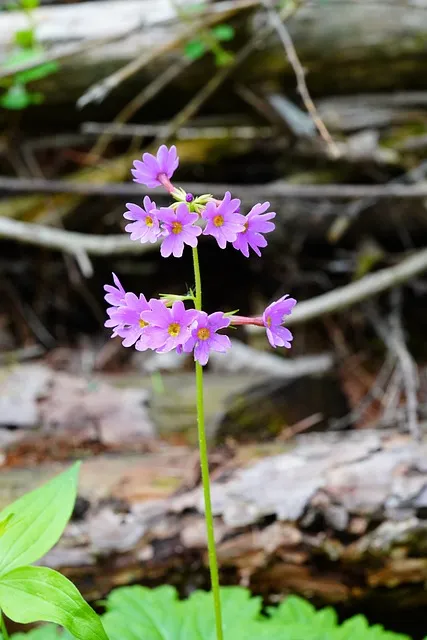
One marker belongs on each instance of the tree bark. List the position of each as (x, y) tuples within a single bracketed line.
[(338, 517)]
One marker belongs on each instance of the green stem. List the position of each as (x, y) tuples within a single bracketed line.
[(3, 629), (204, 464)]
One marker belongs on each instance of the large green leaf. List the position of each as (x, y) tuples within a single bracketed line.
[(44, 632), (138, 613), (32, 594), (200, 619), (36, 521), (294, 610)]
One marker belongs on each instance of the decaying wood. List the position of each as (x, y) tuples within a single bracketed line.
[(338, 517), (48, 413), (389, 34)]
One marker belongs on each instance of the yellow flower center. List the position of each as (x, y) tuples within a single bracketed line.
[(149, 221), (143, 324), (218, 221), (203, 334), (268, 321), (246, 225), (176, 227), (174, 329)]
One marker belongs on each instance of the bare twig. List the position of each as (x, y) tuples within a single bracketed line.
[(296, 65), (19, 355), (351, 211), (99, 91), (277, 190), (376, 392), (391, 332), (147, 93), (190, 132), (70, 242), (363, 289)]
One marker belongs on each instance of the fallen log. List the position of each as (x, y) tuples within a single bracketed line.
[(337, 517), (345, 46)]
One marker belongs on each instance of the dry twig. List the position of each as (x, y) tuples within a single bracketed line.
[(277, 190), (71, 242), (99, 91), (296, 65), (392, 334), (147, 93)]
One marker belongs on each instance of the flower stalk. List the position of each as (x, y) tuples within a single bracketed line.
[(204, 466)]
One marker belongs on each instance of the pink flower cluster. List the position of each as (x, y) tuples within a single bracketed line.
[(164, 325), (154, 324), (178, 225)]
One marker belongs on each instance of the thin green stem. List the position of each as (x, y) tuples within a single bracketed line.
[(197, 280), (204, 464), (3, 629)]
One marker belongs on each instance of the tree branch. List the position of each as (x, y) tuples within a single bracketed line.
[(291, 53), (70, 242), (363, 289), (275, 190)]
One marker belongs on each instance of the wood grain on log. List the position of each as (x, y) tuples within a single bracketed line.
[(336, 517)]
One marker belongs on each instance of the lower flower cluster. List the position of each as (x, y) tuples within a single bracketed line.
[(164, 325)]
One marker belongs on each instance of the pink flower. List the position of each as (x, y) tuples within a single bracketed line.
[(273, 318), (126, 321), (204, 338), (257, 223), (145, 226), (168, 328), (180, 229), (114, 295), (151, 167), (223, 222)]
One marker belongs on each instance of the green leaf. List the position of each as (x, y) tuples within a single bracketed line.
[(22, 56), (223, 32), (4, 523), (199, 613), (194, 49), (16, 98), (223, 58), (45, 632), (31, 594), (39, 518), (38, 72), (30, 4), (137, 612), (294, 609), (25, 38)]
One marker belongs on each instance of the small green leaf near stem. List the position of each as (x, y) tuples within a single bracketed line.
[(204, 465)]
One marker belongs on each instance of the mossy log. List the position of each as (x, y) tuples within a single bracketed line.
[(337, 517), (344, 46)]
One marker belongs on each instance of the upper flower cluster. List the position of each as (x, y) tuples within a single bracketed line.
[(179, 224)]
